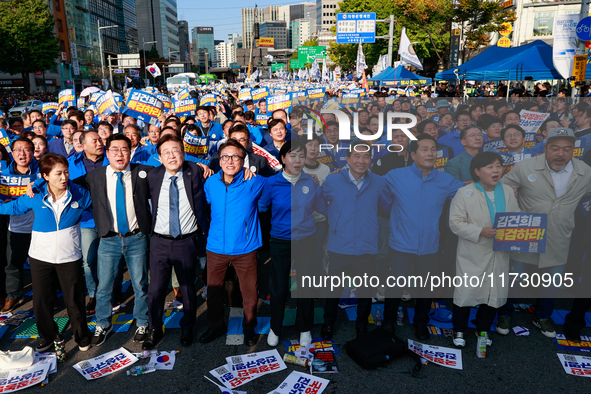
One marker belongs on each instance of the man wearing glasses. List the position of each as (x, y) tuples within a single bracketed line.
[(119, 194), (459, 166), (180, 216), (234, 236)]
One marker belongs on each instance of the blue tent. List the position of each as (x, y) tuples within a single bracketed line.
[(398, 76), (533, 60)]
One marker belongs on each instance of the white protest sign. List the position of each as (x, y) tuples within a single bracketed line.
[(106, 364), (242, 368), (298, 382), (564, 45), (531, 121), (18, 379), (444, 356), (225, 390), (47, 358), (576, 365)]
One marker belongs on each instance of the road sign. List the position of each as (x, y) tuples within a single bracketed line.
[(277, 66), (118, 71), (584, 29), (353, 28), (579, 68), (234, 65), (296, 63), (308, 54), (128, 61)]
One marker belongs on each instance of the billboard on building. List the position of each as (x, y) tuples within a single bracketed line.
[(265, 42), (204, 30)]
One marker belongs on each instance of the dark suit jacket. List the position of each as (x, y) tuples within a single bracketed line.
[(96, 182), (259, 162), (194, 182)]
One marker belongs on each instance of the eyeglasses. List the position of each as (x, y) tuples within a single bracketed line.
[(479, 135), (516, 135), (23, 151), (122, 151), (241, 140), (226, 158), (174, 152)]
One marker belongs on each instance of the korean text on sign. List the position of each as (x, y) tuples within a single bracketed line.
[(14, 186), (106, 364), (520, 232), (143, 106), (446, 357), (301, 383), (282, 101)]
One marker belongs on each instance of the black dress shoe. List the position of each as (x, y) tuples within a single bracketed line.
[(186, 337), (154, 337), (250, 338), (326, 331), (213, 333), (422, 332), (572, 335), (361, 330)]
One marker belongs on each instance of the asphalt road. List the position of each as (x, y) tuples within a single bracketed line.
[(513, 364)]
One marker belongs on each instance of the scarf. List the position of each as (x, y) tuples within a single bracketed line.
[(499, 200)]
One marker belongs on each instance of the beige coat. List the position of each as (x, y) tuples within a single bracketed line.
[(536, 194), (475, 255)]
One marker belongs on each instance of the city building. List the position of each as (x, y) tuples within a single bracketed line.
[(276, 30), (203, 46), (184, 44), (235, 39), (326, 17), (157, 20), (302, 30), (248, 18), (225, 54)]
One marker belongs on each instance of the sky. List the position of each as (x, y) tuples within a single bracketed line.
[(223, 15)]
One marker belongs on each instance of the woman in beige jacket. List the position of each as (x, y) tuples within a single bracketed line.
[(471, 219)]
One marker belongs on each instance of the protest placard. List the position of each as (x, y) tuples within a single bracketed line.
[(14, 186), (18, 379), (575, 365), (184, 108), (446, 357), (143, 106), (298, 382), (105, 364), (520, 232), (67, 97)]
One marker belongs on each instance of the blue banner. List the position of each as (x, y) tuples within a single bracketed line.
[(442, 158), (4, 138), (260, 93), (582, 147), (494, 146), (208, 100), (67, 97), (244, 95), (143, 106), (316, 94), (166, 102), (49, 107), (261, 120), (520, 232), (184, 108), (350, 99), (195, 146), (106, 104), (282, 101), (14, 186)]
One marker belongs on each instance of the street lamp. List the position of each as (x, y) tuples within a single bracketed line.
[(169, 53), (98, 22), (144, 47)]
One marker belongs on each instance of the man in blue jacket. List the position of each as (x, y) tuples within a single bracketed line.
[(453, 138), (234, 236), (65, 145), (354, 195), (418, 193)]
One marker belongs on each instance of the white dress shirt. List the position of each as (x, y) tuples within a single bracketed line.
[(186, 216), (356, 182), (112, 179), (561, 178)]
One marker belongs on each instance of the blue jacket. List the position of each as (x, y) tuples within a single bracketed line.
[(292, 206), (353, 214), (55, 239), (56, 145), (216, 132), (77, 170), (235, 228), (453, 140), (416, 208), (334, 159), (142, 154)]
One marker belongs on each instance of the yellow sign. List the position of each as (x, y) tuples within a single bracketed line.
[(579, 68), (507, 29), (266, 42), (504, 42)]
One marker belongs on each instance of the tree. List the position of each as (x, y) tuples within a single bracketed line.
[(479, 19), (28, 41)]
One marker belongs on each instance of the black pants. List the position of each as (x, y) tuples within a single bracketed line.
[(16, 257), (484, 317), (164, 255), (352, 265), (70, 277), (281, 257)]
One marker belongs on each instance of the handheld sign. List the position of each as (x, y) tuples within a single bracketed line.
[(106, 104), (520, 232), (49, 107), (67, 97), (208, 100), (184, 108), (143, 106), (166, 102)]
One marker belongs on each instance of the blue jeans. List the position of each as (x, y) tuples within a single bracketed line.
[(134, 249), (544, 306), (89, 242)]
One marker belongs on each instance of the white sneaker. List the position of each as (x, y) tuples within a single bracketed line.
[(305, 338), (406, 296), (488, 340), (272, 339), (204, 293), (459, 340)]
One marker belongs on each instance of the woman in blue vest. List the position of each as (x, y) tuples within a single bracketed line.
[(55, 255), (292, 196)]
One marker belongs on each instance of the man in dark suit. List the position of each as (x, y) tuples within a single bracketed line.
[(255, 163), (121, 212), (180, 214)]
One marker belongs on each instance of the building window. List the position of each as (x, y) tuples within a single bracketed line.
[(57, 5), (543, 23), (62, 46), (60, 28)]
